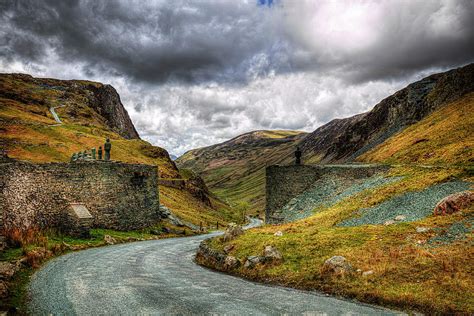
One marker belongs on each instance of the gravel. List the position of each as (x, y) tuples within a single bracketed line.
[(457, 231), (412, 205), (326, 192)]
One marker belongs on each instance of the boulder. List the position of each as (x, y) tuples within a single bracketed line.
[(400, 217), (454, 202), (336, 265), (109, 240), (367, 273), (173, 220), (231, 262), (252, 261), (420, 229), (233, 230), (389, 222), (164, 211), (278, 233), (271, 253)]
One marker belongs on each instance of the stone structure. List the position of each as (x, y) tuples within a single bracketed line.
[(285, 182), (117, 195), (77, 220)]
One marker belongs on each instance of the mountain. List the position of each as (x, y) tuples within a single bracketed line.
[(234, 170), (433, 116), (343, 140), (88, 113), (404, 236)]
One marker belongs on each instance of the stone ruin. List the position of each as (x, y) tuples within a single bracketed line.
[(73, 197)]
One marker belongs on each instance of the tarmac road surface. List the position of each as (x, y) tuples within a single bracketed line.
[(160, 277)]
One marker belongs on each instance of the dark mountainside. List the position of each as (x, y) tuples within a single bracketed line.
[(343, 140), (106, 101)]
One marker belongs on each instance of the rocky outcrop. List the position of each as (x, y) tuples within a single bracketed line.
[(84, 101), (345, 139), (197, 187), (454, 202), (106, 101)]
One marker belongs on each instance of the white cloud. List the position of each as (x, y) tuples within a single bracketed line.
[(195, 73)]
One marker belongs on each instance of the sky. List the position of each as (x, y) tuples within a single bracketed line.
[(196, 73)]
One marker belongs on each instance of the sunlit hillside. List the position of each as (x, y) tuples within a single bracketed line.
[(29, 132)]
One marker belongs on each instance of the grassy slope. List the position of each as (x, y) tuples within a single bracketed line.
[(408, 272), (444, 137), (28, 133), (235, 170)]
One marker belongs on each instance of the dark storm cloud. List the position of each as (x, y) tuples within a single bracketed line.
[(147, 41), (192, 73), (232, 41)]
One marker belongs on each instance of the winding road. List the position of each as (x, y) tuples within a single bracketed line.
[(160, 277)]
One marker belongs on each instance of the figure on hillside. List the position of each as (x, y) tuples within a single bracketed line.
[(107, 148), (298, 156), (99, 153)]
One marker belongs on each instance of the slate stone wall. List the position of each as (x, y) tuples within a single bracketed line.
[(118, 195), (285, 182)]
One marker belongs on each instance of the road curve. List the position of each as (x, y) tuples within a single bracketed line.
[(160, 277)]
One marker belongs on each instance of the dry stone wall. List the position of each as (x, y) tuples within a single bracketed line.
[(118, 195), (286, 182)]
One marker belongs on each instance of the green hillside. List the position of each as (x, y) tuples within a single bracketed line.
[(235, 170), (29, 132)]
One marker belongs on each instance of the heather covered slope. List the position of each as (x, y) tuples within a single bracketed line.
[(444, 137), (235, 169), (90, 112), (344, 140)]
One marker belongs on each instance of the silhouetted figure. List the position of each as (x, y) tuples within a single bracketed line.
[(107, 148), (298, 156), (99, 153)]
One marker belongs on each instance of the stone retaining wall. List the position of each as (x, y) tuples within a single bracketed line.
[(118, 195), (285, 182)]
